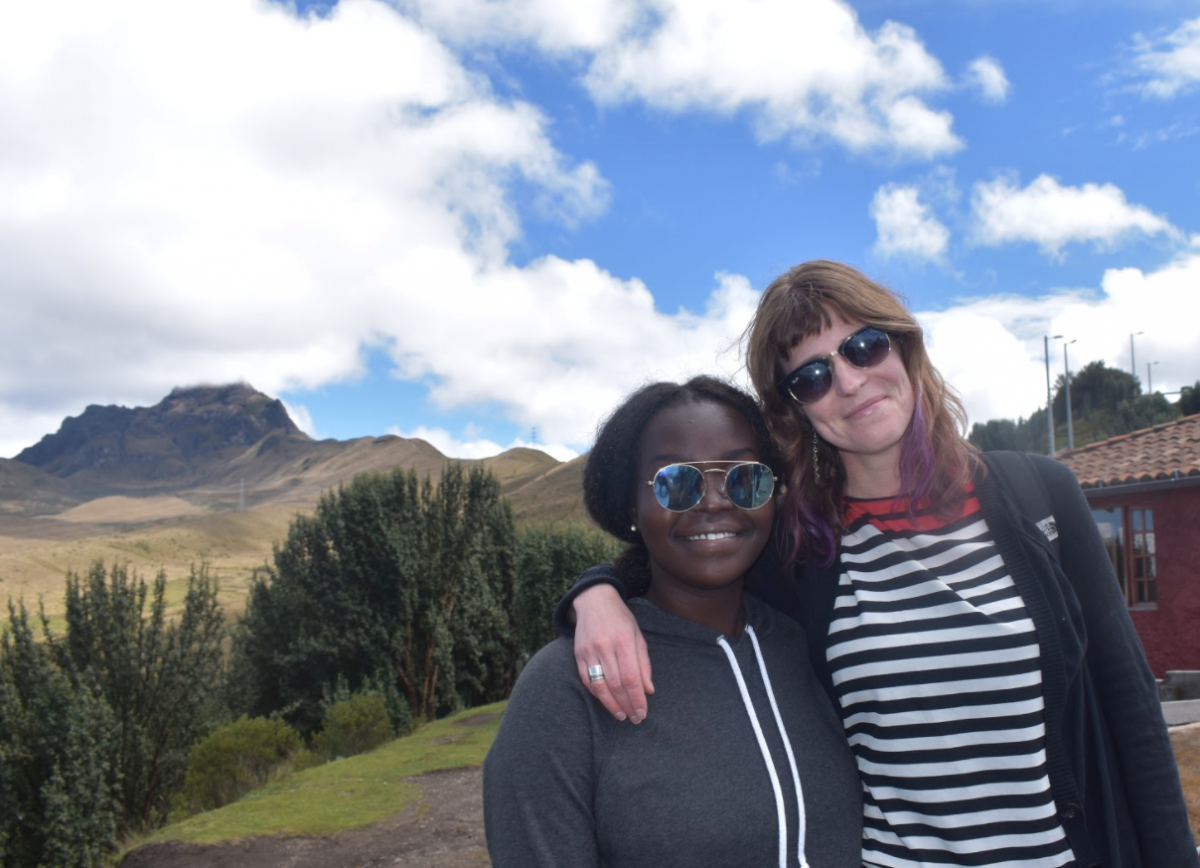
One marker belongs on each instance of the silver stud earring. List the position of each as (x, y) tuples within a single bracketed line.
[(633, 527)]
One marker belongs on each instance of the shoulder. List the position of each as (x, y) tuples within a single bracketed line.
[(1054, 472), (549, 686), (551, 668), (1010, 471)]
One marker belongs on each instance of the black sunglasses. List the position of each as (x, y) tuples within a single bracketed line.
[(680, 487), (809, 383)]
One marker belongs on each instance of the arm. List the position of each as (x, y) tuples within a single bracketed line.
[(538, 778), (606, 633), (1124, 684)]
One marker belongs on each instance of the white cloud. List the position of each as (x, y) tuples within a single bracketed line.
[(986, 75), (551, 25), (582, 336), (808, 71), (299, 414), (474, 446), (1170, 65), (225, 192), (1052, 215), (905, 226), (991, 349)]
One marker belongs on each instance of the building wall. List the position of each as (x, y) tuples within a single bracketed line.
[(1170, 631)]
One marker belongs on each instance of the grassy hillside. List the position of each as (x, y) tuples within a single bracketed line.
[(153, 531), (35, 554), (348, 793)]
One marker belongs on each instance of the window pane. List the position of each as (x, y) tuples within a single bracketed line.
[(1136, 516), (1151, 567), (1138, 567), (1152, 588), (1111, 524), (1150, 543), (1139, 543), (1149, 519)]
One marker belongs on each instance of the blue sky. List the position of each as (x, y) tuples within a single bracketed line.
[(482, 222)]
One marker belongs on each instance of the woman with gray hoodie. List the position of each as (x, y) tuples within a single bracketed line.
[(744, 762)]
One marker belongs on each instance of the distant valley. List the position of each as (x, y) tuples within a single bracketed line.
[(213, 473)]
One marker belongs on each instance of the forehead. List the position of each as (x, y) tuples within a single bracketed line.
[(823, 342), (696, 431)]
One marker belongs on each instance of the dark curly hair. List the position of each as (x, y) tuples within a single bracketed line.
[(611, 476)]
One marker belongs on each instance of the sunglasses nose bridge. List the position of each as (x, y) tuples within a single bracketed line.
[(717, 492), (847, 377)]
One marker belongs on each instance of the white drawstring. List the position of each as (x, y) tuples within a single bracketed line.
[(787, 746), (780, 810)]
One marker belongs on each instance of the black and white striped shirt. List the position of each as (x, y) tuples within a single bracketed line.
[(937, 668)]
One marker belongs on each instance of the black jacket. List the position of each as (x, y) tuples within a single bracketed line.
[(1109, 757)]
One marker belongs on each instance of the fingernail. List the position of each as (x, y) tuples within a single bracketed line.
[(620, 715)]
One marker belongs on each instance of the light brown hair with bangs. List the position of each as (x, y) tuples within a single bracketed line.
[(936, 462)]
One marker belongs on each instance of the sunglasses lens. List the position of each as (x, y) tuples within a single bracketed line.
[(749, 486), (866, 348), (678, 487), (810, 382)]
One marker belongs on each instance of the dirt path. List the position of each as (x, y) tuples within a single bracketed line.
[(444, 829)]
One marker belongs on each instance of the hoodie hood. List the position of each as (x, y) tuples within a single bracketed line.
[(652, 619)]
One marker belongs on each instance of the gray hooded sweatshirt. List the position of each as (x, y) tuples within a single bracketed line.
[(708, 779)]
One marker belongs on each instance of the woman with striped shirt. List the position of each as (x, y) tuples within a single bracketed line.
[(991, 685)]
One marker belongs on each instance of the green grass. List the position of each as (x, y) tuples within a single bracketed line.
[(348, 793)]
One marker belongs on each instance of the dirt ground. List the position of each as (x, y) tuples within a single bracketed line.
[(444, 829)]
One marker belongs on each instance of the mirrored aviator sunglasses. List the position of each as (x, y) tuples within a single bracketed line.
[(810, 382), (680, 487)]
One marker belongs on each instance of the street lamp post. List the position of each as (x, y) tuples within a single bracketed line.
[(1067, 371), (1132, 357), (1149, 382), (1049, 396)]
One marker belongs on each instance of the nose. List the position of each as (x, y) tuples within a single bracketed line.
[(847, 379), (715, 498)]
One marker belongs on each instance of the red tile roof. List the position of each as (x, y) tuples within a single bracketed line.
[(1167, 451)]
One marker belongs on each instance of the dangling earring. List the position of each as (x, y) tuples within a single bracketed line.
[(816, 462)]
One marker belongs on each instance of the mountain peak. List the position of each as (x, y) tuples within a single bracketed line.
[(190, 427)]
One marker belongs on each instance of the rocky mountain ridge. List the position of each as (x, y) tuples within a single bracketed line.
[(189, 426), (226, 446)]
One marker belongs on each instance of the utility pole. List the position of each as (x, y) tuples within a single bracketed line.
[(1132, 358), (1049, 395), (1067, 371), (1149, 382)]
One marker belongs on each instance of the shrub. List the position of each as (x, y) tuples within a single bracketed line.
[(549, 559), (353, 726), (234, 759), (159, 676), (58, 796), (390, 578)]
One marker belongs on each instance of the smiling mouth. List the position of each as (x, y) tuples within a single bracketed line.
[(866, 406), (723, 535)]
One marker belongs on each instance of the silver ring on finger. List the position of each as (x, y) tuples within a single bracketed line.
[(596, 673)]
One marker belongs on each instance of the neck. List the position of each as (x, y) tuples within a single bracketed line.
[(872, 476), (719, 609)]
